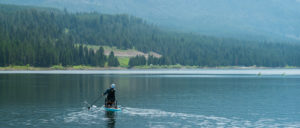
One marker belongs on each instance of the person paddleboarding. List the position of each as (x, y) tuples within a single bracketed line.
[(110, 100)]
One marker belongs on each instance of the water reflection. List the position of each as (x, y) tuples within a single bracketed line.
[(111, 121)]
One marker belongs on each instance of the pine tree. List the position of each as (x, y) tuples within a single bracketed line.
[(101, 58), (112, 60)]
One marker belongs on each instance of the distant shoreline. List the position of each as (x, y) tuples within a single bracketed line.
[(187, 72), (30, 68), (20, 68)]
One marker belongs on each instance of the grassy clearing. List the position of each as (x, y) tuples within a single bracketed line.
[(16, 67), (81, 67), (107, 48), (123, 62), (119, 52), (22, 67), (289, 67), (57, 67)]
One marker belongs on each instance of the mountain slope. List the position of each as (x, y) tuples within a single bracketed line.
[(246, 19), (45, 37)]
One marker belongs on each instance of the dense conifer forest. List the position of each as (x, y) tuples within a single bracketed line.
[(43, 37)]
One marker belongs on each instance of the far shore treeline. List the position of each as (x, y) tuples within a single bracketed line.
[(44, 37)]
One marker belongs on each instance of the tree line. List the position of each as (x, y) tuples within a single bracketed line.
[(139, 60), (44, 37)]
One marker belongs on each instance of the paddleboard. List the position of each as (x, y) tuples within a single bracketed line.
[(112, 109)]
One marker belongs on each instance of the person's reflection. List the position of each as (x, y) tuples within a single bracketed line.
[(111, 121)]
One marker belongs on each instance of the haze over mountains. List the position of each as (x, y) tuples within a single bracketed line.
[(273, 20), (45, 37)]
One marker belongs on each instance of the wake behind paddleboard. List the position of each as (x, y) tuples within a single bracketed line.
[(112, 109)]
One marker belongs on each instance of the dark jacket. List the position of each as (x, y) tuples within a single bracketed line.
[(110, 94)]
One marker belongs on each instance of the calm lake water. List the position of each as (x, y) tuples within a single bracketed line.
[(173, 98)]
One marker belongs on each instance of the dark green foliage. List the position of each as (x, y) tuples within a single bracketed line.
[(136, 61), (141, 60), (112, 60), (152, 60), (45, 37), (100, 57), (38, 37)]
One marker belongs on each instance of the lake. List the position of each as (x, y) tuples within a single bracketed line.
[(156, 98)]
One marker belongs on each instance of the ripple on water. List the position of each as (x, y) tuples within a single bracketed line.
[(157, 118), (85, 116), (201, 120)]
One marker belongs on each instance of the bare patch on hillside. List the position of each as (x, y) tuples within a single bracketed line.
[(121, 53), (131, 53)]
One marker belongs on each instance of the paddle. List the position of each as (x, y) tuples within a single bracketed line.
[(95, 101)]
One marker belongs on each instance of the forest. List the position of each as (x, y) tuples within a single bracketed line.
[(43, 37)]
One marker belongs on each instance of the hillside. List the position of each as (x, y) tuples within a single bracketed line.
[(122, 53), (247, 19), (46, 36)]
